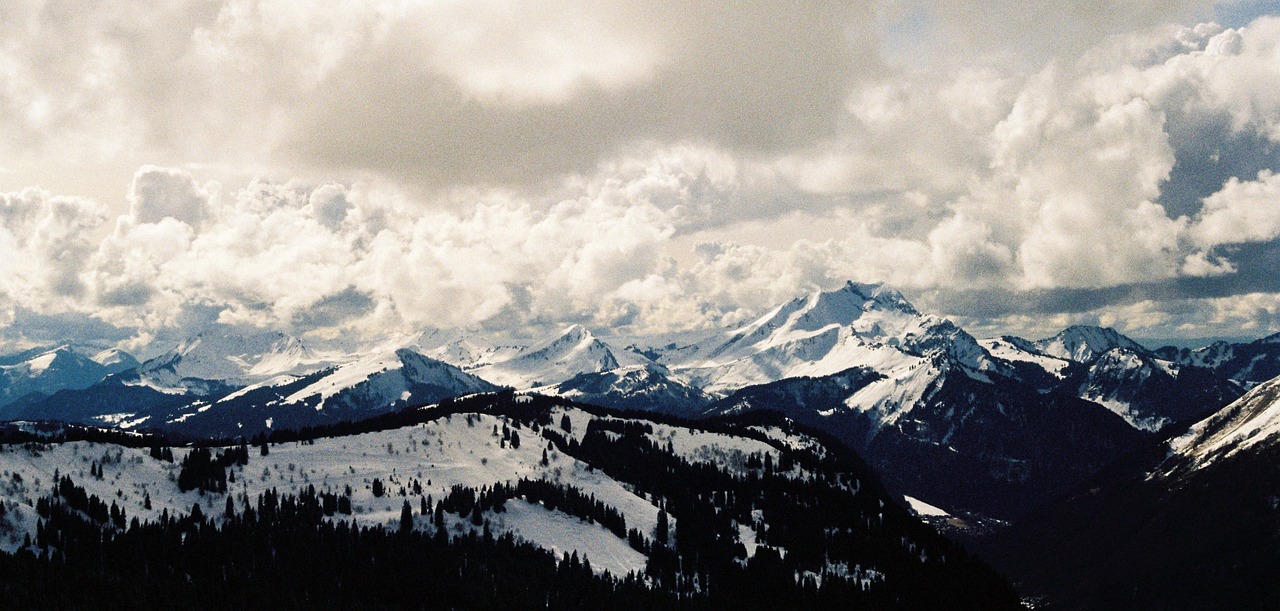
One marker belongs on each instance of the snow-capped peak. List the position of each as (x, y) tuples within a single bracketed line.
[(822, 309), (226, 356), (114, 357), (1083, 343), (823, 333), (573, 351)]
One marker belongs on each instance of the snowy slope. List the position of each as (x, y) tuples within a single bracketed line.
[(455, 449), (1012, 348), (445, 452), (1252, 420)]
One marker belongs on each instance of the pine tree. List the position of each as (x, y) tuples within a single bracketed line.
[(406, 517), (662, 532)]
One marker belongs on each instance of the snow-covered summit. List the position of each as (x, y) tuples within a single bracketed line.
[(1084, 343), (115, 358), (573, 351), (857, 325), (230, 357)]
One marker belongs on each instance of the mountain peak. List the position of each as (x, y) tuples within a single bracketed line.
[(840, 307), (1085, 343), (879, 293), (577, 331), (220, 355)]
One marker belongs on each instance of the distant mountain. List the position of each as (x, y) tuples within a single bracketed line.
[(1186, 523), (44, 371), (1148, 392), (646, 387), (826, 333), (374, 384), (1249, 363), (1104, 366), (1003, 424), (574, 351), (228, 358), (1085, 344), (267, 382)]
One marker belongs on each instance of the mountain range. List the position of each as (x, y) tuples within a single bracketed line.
[(1080, 463), (1005, 423)]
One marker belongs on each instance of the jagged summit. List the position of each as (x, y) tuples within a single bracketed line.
[(1085, 343)]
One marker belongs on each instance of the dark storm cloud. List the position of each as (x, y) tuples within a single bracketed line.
[(1257, 273)]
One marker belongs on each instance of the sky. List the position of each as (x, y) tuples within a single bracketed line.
[(346, 170)]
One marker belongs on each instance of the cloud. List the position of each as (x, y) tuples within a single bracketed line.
[(44, 241), (158, 193), (636, 165), (1241, 212), (499, 92)]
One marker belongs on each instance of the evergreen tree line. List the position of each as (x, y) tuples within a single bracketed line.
[(279, 552), (466, 501), (202, 469)]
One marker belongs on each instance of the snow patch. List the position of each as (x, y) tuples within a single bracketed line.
[(922, 508)]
